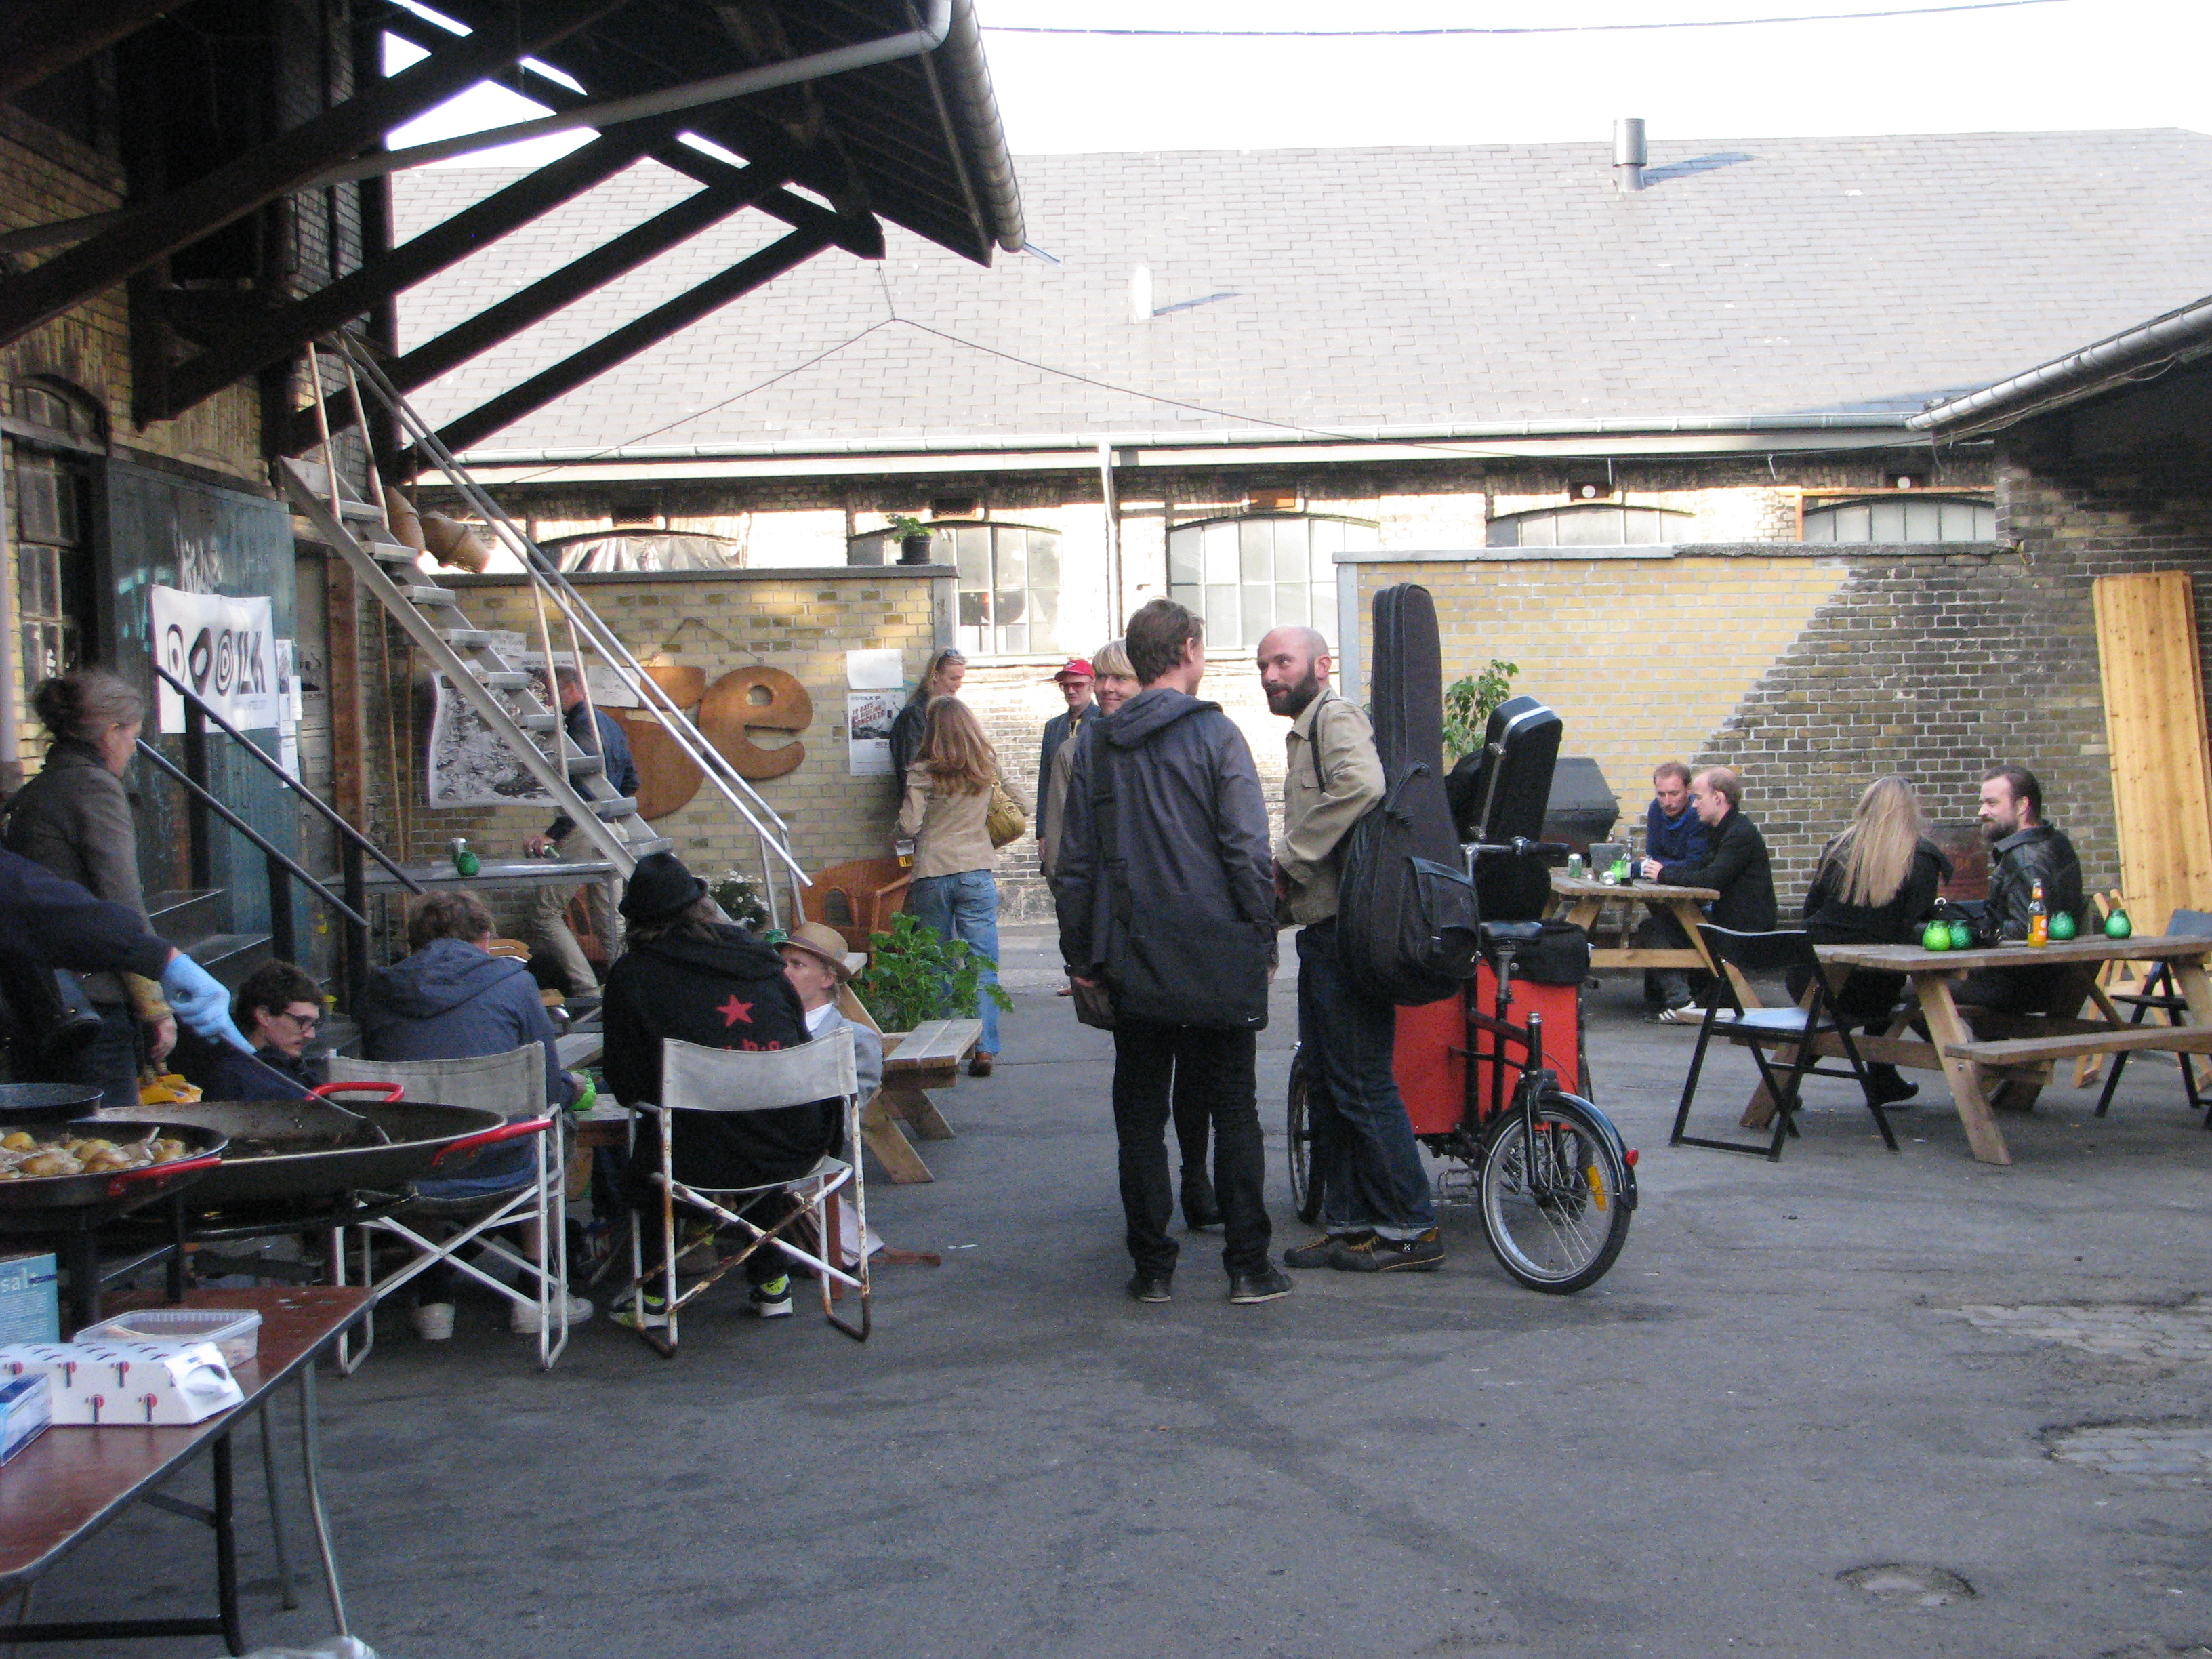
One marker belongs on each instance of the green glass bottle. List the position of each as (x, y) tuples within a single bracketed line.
[(1937, 937), (2063, 927), (1962, 935), (2117, 925)]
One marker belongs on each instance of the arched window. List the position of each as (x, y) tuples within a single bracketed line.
[(1008, 586), (1246, 575), (1902, 519), (60, 407), (1601, 523), (621, 548)]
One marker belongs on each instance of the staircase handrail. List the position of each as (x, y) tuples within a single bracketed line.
[(268, 847), (330, 814), (548, 576)]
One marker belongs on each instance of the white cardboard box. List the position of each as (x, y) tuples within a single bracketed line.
[(136, 1382)]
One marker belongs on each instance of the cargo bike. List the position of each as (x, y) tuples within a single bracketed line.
[(1547, 1172)]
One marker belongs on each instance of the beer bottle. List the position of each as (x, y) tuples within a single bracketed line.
[(2038, 917)]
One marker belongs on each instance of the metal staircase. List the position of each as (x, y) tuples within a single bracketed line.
[(500, 692)]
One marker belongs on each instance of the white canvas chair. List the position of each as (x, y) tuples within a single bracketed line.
[(514, 1085), (699, 1079)]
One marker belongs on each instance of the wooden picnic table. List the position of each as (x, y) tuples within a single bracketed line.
[(2022, 1047), (927, 1057), (1580, 899)]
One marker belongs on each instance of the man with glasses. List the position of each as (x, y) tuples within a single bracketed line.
[(279, 1008)]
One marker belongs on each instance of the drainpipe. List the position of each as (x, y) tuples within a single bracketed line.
[(1113, 510)]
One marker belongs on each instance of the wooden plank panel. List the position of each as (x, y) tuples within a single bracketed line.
[(2155, 725)]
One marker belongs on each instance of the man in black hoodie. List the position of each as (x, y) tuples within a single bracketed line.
[(688, 973), (1165, 891)]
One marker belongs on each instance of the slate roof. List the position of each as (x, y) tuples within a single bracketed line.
[(1355, 290)]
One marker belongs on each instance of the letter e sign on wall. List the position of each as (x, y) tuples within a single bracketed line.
[(757, 700)]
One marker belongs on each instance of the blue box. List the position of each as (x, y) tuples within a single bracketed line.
[(30, 1303), (26, 1408)]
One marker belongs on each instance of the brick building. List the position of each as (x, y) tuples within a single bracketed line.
[(1653, 445)]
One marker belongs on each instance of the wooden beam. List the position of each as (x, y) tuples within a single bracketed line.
[(160, 227), (858, 233), (44, 39), (625, 342), (542, 298), (274, 336)]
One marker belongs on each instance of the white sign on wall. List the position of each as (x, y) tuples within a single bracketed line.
[(225, 649)]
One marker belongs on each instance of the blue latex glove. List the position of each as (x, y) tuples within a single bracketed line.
[(201, 1001)]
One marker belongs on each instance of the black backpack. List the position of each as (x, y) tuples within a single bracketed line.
[(1406, 923)]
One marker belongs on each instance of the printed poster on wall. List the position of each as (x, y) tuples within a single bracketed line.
[(469, 764), (869, 716), (225, 649)]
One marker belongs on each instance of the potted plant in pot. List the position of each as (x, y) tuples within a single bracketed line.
[(913, 975), (914, 539)]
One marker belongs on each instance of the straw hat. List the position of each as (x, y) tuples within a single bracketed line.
[(818, 939)]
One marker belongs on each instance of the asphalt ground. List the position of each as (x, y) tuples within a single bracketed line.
[(1774, 1388)]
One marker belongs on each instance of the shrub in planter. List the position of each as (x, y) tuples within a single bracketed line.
[(913, 975)]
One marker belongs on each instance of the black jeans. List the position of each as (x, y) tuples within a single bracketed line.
[(1370, 1166), (1152, 1063), (1669, 988)]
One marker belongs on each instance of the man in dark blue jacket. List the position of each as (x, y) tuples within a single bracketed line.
[(601, 736), (1672, 831), (1165, 891), (452, 1000)]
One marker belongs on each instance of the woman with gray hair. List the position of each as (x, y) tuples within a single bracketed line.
[(74, 817)]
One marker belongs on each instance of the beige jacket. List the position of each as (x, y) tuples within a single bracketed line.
[(948, 831), (1318, 812)]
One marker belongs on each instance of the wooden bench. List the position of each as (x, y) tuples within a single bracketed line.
[(2039, 1050), (915, 1061)]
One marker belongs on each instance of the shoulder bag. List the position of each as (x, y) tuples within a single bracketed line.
[(1006, 821)]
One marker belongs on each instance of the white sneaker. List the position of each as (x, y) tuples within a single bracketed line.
[(523, 1318), (434, 1320)]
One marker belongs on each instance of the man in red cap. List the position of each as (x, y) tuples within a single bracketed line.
[(1075, 682)]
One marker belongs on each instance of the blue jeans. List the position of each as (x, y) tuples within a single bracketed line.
[(1369, 1167), (965, 907)]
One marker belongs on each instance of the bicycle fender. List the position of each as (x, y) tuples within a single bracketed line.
[(1627, 1193)]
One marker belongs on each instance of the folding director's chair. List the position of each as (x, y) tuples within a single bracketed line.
[(700, 1079), (514, 1085), (1761, 1029)]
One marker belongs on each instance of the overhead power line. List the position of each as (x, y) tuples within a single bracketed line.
[(1530, 28)]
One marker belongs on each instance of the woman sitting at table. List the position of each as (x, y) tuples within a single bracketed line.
[(1874, 884)]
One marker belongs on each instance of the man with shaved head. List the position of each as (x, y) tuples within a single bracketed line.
[(1376, 1215)]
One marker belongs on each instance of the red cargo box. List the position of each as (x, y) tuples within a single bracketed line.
[(1432, 1078)]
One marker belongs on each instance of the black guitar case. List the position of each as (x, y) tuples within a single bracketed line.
[(1406, 921), (1501, 792)]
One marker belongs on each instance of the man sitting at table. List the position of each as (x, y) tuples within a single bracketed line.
[(1673, 833), (1736, 866), (2025, 853)]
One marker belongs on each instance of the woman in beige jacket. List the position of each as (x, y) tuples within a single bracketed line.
[(948, 803)]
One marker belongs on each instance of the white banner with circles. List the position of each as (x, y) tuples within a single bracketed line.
[(225, 649)]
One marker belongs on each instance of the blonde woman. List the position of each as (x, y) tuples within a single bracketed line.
[(1876, 884), (948, 801), (1114, 683)]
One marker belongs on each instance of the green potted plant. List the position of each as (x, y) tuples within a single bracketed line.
[(739, 896), (914, 539), (914, 975), (1467, 704)]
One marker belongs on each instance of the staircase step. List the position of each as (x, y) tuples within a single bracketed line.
[(652, 844), (229, 956), (621, 807), (391, 552), (187, 914), (465, 639), (498, 679), (432, 596), (545, 720), (365, 512), (581, 766)]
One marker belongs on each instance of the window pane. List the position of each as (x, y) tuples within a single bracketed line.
[(1854, 524), (1185, 557), (1291, 601), (1672, 527), (1325, 539), (1014, 641), (1923, 522), (1639, 526), (1011, 581), (1222, 619), (1258, 615), (1539, 529), (974, 608), (1189, 595), (1820, 524), (1503, 532), (1597, 528), (1256, 549), (1221, 553), (973, 555), (1293, 554)]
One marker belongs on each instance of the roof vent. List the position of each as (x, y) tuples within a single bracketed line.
[(1629, 155)]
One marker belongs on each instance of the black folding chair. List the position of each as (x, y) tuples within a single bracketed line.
[(1761, 1029), (2159, 993)]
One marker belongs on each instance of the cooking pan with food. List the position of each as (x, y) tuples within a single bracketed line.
[(121, 1164)]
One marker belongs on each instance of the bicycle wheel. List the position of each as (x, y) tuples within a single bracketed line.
[(1305, 1178), (1553, 1210)]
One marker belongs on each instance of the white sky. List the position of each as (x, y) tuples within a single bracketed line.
[(2066, 63)]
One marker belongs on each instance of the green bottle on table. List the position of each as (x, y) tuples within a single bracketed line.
[(2063, 927), (1937, 937), (1962, 935), (465, 862), (2117, 925)]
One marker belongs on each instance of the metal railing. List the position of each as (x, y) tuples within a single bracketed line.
[(548, 581), (354, 847)]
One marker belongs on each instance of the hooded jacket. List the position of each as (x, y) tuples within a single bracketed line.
[(1177, 915), (451, 1001), (723, 990)]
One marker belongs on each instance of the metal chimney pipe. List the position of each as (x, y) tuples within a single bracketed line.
[(1629, 155)]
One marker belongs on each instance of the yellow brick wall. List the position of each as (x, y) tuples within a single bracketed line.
[(804, 623), (1643, 658)]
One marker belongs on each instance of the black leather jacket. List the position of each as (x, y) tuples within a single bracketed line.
[(2016, 864)]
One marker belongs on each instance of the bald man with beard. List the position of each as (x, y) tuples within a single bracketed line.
[(1376, 1215)]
